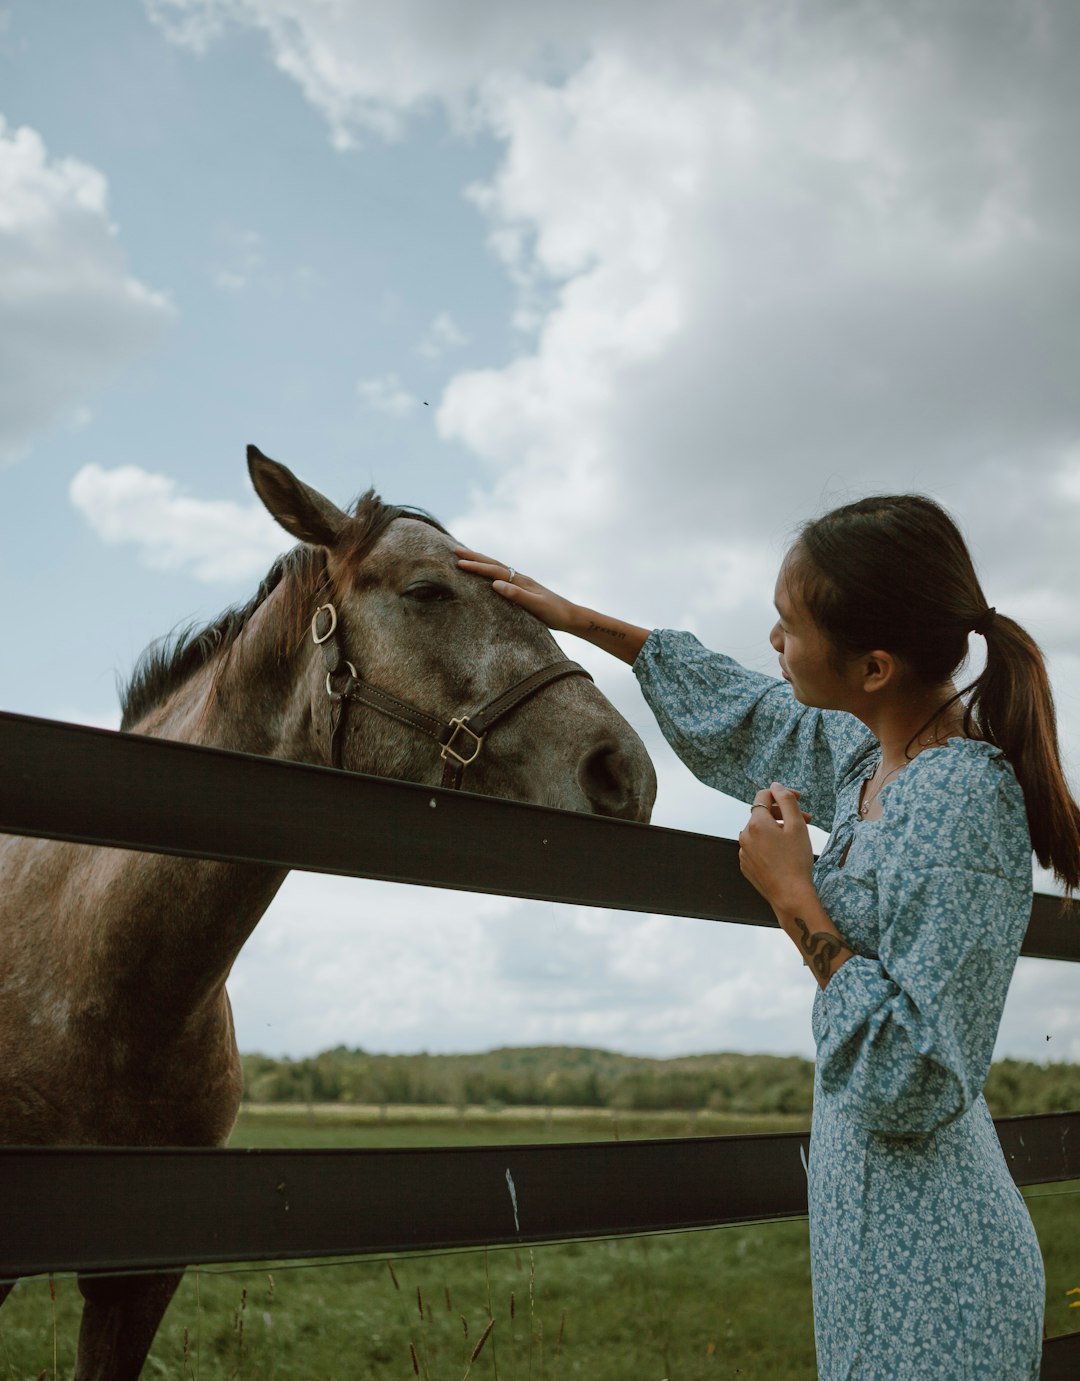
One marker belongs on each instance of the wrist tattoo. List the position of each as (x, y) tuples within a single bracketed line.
[(599, 628), (821, 948)]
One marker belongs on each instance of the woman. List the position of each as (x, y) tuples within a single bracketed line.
[(924, 1260)]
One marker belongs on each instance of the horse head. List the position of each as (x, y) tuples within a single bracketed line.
[(417, 670)]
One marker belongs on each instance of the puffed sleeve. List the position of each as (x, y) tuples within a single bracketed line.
[(905, 1040), (738, 730)]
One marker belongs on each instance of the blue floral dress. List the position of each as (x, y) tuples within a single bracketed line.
[(924, 1259)]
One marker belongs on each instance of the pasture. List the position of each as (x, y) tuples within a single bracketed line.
[(730, 1302)]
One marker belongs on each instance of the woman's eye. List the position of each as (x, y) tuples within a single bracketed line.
[(429, 593)]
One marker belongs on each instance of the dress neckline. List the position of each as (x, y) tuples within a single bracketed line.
[(954, 740)]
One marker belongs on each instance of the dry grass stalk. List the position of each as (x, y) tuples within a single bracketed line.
[(559, 1343), (482, 1340), (490, 1314), (52, 1296), (198, 1321), (393, 1277), (464, 1342), (536, 1326), (478, 1348), (238, 1328)]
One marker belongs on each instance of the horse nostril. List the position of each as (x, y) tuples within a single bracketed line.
[(613, 783)]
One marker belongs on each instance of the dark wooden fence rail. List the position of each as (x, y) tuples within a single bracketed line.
[(117, 1209), (215, 1206), (92, 786)]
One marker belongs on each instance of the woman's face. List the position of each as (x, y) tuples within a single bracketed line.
[(806, 654)]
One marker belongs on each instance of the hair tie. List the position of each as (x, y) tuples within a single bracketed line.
[(984, 622)]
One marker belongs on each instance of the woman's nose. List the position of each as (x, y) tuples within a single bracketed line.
[(776, 637)]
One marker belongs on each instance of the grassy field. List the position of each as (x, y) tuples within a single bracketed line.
[(722, 1303)]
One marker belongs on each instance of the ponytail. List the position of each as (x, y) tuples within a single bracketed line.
[(1011, 706)]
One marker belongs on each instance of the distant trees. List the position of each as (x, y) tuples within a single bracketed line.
[(1016, 1086), (572, 1076)]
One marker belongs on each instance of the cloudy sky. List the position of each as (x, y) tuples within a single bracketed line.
[(621, 292)]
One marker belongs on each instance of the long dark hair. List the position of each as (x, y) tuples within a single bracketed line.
[(893, 572)]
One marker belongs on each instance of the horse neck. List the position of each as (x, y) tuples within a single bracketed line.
[(173, 927), (251, 697)]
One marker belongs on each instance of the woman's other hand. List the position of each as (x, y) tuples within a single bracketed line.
[(775, 853), (776, 856)]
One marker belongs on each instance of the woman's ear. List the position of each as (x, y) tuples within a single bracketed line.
[(879, 669)]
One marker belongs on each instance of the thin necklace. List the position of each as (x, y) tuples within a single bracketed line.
[(869, 800)]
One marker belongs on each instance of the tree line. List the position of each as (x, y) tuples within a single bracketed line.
[(578, 1077)]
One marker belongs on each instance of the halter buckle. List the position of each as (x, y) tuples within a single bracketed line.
[(315, 620), (448, 750), (353, 678)]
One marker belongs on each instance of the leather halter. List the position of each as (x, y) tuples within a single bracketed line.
[(460, 739)]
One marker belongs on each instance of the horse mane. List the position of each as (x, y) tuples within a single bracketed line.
[(172, 660)]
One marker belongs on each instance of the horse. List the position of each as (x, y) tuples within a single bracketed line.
[(114, 1017)]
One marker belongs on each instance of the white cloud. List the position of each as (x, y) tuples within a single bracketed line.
[(243, 255), (376, 972), (70, 313), (211, 540), (771, 254), (386, 393), (443, 334), (1067, 478), (193, 24), (368, 67), (758, 290), (347, 960), (1042, 1017), (812, 261)]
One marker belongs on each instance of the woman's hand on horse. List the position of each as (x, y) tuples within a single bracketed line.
[(622, 640), (544, 604)]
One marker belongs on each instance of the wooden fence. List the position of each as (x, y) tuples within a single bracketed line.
[(122, 1209)]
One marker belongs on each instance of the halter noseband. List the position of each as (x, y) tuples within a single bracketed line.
[(460, 739)]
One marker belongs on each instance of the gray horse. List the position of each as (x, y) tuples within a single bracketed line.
[(115, 1024)]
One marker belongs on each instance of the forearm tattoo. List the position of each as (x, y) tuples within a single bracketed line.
[(595, 627), (821, 948)]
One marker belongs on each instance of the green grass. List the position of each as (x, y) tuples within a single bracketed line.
[(731, 1302), (338, 1124)]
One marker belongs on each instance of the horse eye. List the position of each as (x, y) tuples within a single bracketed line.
[(428, 592)]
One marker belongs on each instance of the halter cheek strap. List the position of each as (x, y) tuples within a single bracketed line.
[(460, 738)]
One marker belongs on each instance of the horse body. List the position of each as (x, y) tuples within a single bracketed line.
[(114, 1016)]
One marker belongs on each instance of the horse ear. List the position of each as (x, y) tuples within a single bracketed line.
[(302, 511)]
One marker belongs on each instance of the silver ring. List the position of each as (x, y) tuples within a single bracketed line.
[(510, 575), (760, 805)]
